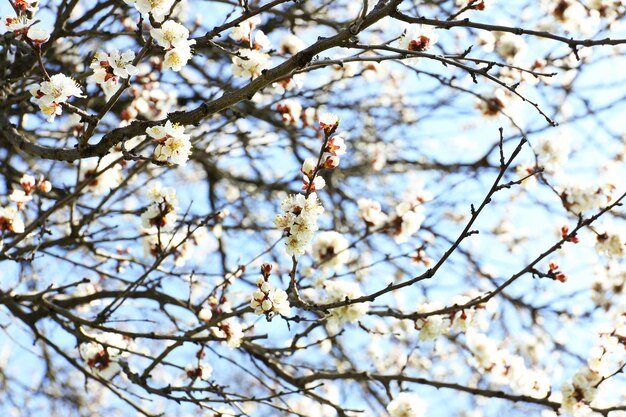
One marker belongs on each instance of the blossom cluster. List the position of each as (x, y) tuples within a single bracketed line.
[(407, 404), (432, 326), (406, 221), (335, 147), (109, 67), (174, 38), (604, 359), (199, 370), (23, 25), (172, 143), (103, 175), (302, 210), (158, 9), (250, 61), (579, 197), (299, 221), (330, 250), (161, 213), (267, 300), (51, 94), (10, 219), (505, 368), (338, 291), (418, 38), (611, 242), (103, 353)]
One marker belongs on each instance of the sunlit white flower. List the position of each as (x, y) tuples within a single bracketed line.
[(370, 212), (249, 63), (339, 291), (291, 44), (49, 95), (109, 67), (331, 249), (418, 38), (172, 143), (241, 32), (407, 404), (10, 220), (157, 8), (38, 36)]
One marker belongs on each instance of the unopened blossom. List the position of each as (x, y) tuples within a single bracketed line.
[(309, 165), (418, 38), (331, 250), (407, 404), (159, 9), (474, 4), (370, 212), (37, 36), (172, 143), (339, 291), (10, 220), (45, 186), (249, 63), (205, 314), (49, 95)]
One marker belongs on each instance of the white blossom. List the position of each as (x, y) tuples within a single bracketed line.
[(157, 8), (248, 63), (331, 250), (370, 212), (172, 143), (49, 95), (339, 291), (10, 220), (407, 404)]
